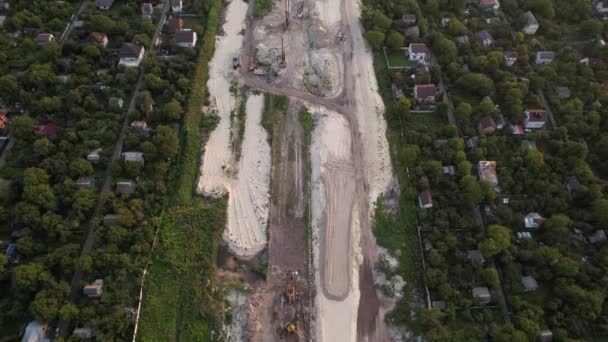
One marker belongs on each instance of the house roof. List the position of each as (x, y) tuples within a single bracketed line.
[(529, 283), (42, 38), (35, 332), (425, 90), (475, 256), (482, 293), (133, 156), (97, 37), (518, 130), (147, 8), (510, 55), (563, 92), (185, 36), (175, 23), (3, 119), (139, 124), (130, 50), (572, 183), (487, 122), (48, 129), (104, 3), (536, 115), (531, 19), (545, 55), (489, 3), (487, 171), (484, 35), (409, 17), (425, 198), (126, 187), (598, 236), (418, 48), (533, 220)]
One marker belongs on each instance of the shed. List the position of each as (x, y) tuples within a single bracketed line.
[(110, 219), (487, 125), (94, 290), (476, 257), (94, 156), (449, 170), (439, 305), (482, 294), (425, 200), (85, 181), (533, 220), (563, 92), (115, 102), (546, 336), (529, 283), (83, 333), (125, 187), (134, 157)]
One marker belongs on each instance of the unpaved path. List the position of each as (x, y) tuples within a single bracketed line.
[(247, 181)]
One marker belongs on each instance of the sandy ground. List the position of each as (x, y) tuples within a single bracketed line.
[(335, 228), (248, 181)]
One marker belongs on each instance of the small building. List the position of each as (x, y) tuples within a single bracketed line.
[(176, 6), (546, 336), (500, 122), (141, 127), (591, 61), (83, 333), (486, 125), (185, 39), (449, 170), (572, 184), (531, 24), (94, 290), (110, 220), (445, 21), (485, 37), (49, 129), (425, 93), (413, 32), (600, 10), (44, 38), (85, 181), (104, 4), (489, 5), (418, 52), (462, 40), (425, 200), (535, 118), (133, 157), (476, 257), (533, 220), (518, 130), (523, 235), (598, 236), (174, 24), (98, 38), (486, 170), (94, 156), (409, 19), (544, 57), (116, 102), (472, 142), (131, 54), (482, 295), (562, 92), (125, 187), (147, 9), (510, 57), (35, 331), (439, 305), (529, 283)]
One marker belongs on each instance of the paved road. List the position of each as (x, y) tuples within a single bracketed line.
[(547, 107), (81, 9), (88, 243)]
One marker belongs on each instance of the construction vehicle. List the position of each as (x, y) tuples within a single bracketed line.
[(286, 14), (282, 63), (235, 62), (291, 328)]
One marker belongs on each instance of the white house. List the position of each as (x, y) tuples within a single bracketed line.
[(510, 57), (531, 23), (131, 54), (535, 118), (544, 57), (533, 220), (176, 6), (418, 52), (486, 38)]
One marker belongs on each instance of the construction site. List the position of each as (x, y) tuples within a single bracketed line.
[(300, 206)]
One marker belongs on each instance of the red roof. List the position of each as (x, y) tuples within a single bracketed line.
[(3, 119), (489, 3), (418, 48), (536, 115), (423, 91), (486, 122), (48, 129), (426, 198), (175, 24)]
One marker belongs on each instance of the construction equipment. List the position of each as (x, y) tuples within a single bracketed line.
[(291, 328), (292, 291), (282, 63)]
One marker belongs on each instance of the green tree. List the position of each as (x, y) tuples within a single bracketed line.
[(166, 142), (44, 307), (43, 146), (375, 39), (80, 167), (173, 110), (471, 190), (69, 312), (478, 84), (490, 277), (456, 27), (23, 127), (9, 86), (591, 27), (394, 40), (27, 277), (381, 22), (498, 240), (464, 111), (600, 211)]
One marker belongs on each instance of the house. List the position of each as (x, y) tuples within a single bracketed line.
[(425, 200), (462, 40), (125, 187), (94, 156), (523, 235), (185, 39), (531, 23), (439, 305), (94, 290), (409, 19), (529, 283), (572, 184), (174, 24), (110, 219), (544, 57), (600, 9), (115, 102), (510, 57), (449, 170), (562, 92), (176, 6), (546, 336), (85, 181), (104, 4), (83, 333), (485, 38), (591, 61), (4, 122), (487, 125), (482, 294), (413, 32), (35, 331), (425, 93), (518, 130), (489, 5), (141, 127), (472, 142), (134, 157), (44, 38), (47, 130), (500, 122), (131, 54), (445, 21), (476, 257), (417, 52), (486, 170), (98, 38), (533, 220), (535, 118), (147, 9), (598, 236)]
